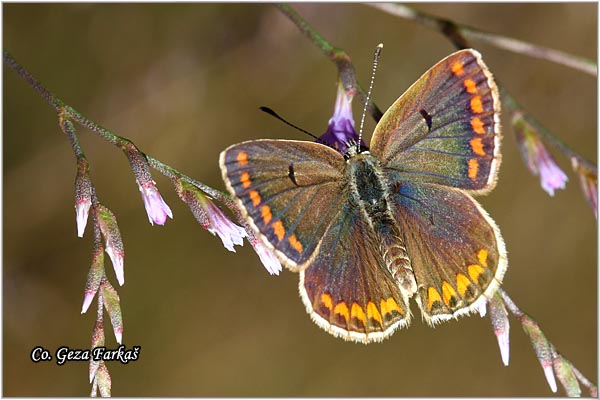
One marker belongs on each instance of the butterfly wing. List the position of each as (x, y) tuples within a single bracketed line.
[(456, 250), (285, 190), (348, 290), (445, 128)]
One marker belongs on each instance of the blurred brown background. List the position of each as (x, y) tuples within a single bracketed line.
[(184, 81)]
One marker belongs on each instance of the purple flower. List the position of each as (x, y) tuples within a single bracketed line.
[(271, 263), (340, 133), (156, 208), (210, 216), (539, 161)]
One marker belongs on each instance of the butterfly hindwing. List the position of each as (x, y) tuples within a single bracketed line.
[(456, 250), (347, 289), (285, 189), (445, 128)]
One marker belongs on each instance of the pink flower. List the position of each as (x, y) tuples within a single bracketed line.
[(270, 262), (210, 216), (116, 257), (539, 161), (542, 348), (82, 210), (83, 197), (218, 223), (499, 318), (156, 208), (87, 300), (340, 133)]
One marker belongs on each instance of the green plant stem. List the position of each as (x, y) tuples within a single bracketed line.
[(466, 32), (54, 101), (67, 112), (520, 315), (338, 56)]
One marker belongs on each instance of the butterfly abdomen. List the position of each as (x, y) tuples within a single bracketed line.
[(369, 190)]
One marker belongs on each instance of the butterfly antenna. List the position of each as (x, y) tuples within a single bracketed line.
[(274, 114), (362, 119)]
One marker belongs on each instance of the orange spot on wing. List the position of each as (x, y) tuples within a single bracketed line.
[(279, 230), (477, 146), (357, 312), (476, 105), (477, 125), (295, 243), (265, 212), (473, 168), (342, 310), (482, 257), (326, 300), (255, 197), (432, 296), (242, 158), (471, 86), (389, 305), (373, 312), (474, 272), (245, 179), (462, 283), (457, 68), (447, 292)]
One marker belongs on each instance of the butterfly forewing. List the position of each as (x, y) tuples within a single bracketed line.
[(445, 128), (285, 188)]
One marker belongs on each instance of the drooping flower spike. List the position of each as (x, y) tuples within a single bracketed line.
[(210, 216), (537, 157)]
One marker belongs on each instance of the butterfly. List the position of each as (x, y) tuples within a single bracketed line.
[(371, 229)]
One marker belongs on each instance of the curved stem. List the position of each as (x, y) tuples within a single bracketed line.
[(503, 42), (34, 83), (338, 56), (66, 112)]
